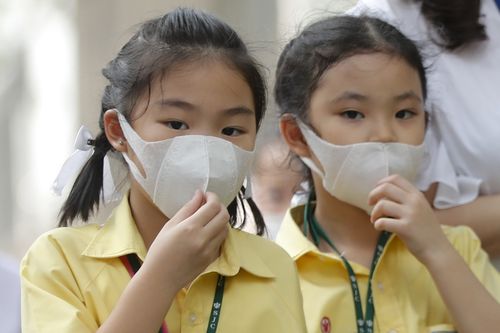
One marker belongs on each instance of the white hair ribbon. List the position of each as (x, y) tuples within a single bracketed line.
[(115, 170), (83, 150)]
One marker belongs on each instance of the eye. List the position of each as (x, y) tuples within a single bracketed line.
[(232, 131), (405, 114), (351, 114), (176, 125)]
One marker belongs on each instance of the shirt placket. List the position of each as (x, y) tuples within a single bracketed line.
[(197, 304), (388, 315)]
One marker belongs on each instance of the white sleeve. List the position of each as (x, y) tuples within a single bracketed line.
[(453, 189)]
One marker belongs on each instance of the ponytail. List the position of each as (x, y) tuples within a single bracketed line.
[(238, 213), (85, 194), (257, 216)]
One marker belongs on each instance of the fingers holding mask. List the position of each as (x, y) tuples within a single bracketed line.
[(191, 207), (386, 215), (211, 218), (395, 197), (216, 218), (385, 189), (213, 211), (208, 227), (402, 209), (193, 240)]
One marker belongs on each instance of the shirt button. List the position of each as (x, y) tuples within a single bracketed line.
[(380, 286), (192, 318), (392, 331)]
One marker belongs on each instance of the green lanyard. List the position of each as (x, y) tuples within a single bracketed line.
[(132, 263), (364, 324), (216, 305)]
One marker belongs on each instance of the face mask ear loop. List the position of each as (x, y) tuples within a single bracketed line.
[(131, 136), (311, 165)]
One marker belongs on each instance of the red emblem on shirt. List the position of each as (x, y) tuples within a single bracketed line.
[(326, 326)]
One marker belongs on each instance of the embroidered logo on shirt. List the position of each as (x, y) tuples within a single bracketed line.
[(326, 325)]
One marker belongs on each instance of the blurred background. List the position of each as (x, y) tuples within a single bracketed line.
[(51, 55)]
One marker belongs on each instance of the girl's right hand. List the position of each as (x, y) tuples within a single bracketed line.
[(189, 241), (399, 207)]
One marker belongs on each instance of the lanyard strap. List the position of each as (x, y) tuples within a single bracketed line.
[(363, 323), (132, 264), (216, 305)]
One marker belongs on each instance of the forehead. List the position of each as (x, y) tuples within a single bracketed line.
[(204, 78), (371, 74), (210, 84)]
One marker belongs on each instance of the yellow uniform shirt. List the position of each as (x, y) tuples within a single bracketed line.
[(72, 278), (405, 297)]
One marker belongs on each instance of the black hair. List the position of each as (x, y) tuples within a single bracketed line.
[(327, 42), (456, 23), (181, 36)]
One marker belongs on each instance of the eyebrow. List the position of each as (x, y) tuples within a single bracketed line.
[(239, 110), (351, 95), (186, 106), (408, 95), (178, 103)]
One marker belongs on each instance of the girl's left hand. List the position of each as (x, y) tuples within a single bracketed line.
[(402, 209)]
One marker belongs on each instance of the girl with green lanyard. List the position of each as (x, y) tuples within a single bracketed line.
[(178, 122), (370, 252)]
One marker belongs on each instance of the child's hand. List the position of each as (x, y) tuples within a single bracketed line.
[(402, 209), (190, 241)]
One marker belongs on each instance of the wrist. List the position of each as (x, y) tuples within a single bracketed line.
[(160, 278), (439, 257)]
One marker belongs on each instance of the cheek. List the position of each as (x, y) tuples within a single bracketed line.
[(156, 132), (341, 134), (416, 135), (150, 128), (247, 143), (421, 136), (244, 142)]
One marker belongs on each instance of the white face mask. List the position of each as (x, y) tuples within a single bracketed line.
[(175, 168), (350, 172)]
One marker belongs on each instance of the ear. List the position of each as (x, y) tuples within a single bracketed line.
[(114, 131), (293, 136)]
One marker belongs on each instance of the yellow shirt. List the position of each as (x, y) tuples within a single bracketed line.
[(72, 278), (405, 297)]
